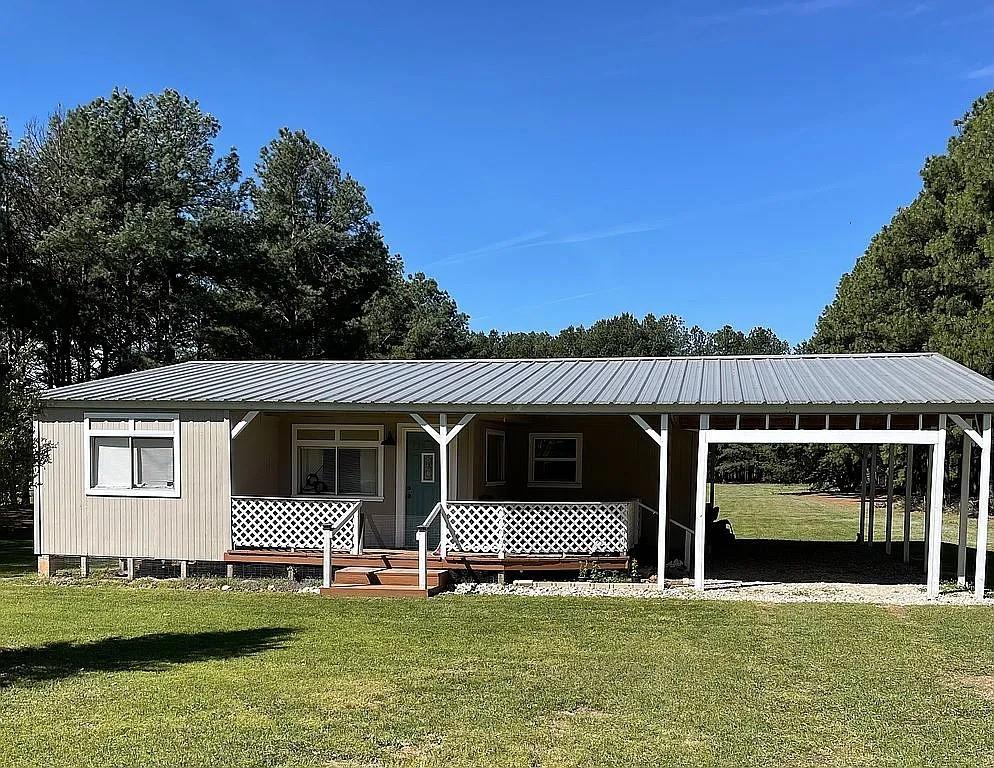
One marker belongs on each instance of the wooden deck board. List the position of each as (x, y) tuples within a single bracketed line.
[(404, 558)]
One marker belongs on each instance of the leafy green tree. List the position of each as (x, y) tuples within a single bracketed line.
[(415, 319), (20, 404), (119, 191), (321, 257), (926, 281)]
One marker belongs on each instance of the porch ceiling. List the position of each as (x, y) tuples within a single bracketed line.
[(795, 383)]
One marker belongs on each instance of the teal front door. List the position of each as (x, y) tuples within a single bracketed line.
[(422, 487)]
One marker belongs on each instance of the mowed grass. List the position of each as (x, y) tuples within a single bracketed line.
[(792, 512), (118, 675), (16, 557)]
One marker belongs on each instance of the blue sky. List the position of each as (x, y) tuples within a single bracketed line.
[(557, 162)]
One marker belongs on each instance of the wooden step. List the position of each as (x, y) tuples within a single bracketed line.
[(408, 577), (377, 590), (357, 574)]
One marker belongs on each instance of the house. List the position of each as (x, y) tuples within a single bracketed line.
[(422, 467)]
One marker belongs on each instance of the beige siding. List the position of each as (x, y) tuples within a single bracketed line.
[(195, 526)]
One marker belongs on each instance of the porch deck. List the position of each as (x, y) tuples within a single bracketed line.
[(408, 558)]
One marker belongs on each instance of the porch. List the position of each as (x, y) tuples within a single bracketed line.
[(498, 493)]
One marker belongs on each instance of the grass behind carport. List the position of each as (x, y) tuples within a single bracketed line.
[(211, 678)]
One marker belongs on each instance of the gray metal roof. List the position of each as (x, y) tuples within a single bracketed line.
[(879, 382)]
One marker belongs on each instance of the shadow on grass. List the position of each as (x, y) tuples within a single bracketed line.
[(146, 653)]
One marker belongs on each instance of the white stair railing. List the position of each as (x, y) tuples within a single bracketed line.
[(688, 536), (354, 515)]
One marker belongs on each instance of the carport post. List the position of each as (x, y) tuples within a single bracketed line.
[(873, 493), (889, 533), (983, 508), (934, 532), (964, 510), (927, 507), (908, 476), (862, 498), (700, 521)]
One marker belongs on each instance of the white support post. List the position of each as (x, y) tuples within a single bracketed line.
[(935, 519), (862, 498), (443, 482), (358, 524), (873, 494), (84, 566), (889, 533), (964, 510), (927, 507), (245, 421), (662, 439), (131, 568), (326, 560), (229, 571), (700, 521), (983, 508), (443, 436), (183, 569), (908, 495)]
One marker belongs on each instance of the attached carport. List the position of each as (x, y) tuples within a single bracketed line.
[(906, 400)]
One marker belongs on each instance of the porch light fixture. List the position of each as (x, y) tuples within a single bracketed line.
[(389, 439)]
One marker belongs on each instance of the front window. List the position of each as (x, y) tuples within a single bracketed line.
[(338, 461), (555, 459), (132, 454)]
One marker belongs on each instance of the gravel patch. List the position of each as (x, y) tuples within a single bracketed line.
[(765, 592)]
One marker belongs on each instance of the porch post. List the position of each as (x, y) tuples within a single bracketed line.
[(889, 533), (927, 507), (443, 482), (700, 521), (908, 495), (964, 510), (664, 464), (983, 508), (935, 518)]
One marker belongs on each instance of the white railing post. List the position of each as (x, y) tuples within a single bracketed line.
[(326, 575), (357, 529), (983, 508), (422, 537)]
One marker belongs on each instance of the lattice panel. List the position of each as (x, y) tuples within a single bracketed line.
[(543, 528), (288, 523)]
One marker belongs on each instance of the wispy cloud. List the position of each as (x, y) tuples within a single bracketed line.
[(798, 8), (484, 250), (983, 72), (553, 302), (539, 238)]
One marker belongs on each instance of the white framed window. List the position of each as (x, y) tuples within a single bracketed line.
[(555, 459), (132, 454), (496, 457), (427, 467), (343, 460)]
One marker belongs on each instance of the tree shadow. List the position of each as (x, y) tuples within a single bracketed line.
[(146, 653)]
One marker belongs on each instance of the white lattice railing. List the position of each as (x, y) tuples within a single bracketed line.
[(293, 523), (541, 528)]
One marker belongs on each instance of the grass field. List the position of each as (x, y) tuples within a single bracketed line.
[(767, 511), (117, 675)]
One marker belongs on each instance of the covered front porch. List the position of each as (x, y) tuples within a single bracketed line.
[(494, 492)]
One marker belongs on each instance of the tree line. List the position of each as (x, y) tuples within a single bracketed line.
[(129, 239)]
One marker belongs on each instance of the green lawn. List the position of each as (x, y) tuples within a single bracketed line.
[(119, 675), (16, 557), (768, 511)]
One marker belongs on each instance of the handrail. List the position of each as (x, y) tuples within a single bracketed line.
[(688, 535), (422, 537), (354, 512)]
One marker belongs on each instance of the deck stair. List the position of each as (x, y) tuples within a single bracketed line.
[(365, 581)]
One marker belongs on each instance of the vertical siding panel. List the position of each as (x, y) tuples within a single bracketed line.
[(195, 526)]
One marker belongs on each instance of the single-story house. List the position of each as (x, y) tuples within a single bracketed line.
[(482, 464)]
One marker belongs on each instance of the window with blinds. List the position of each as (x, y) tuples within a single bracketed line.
[(333, 460), (132, 454)]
